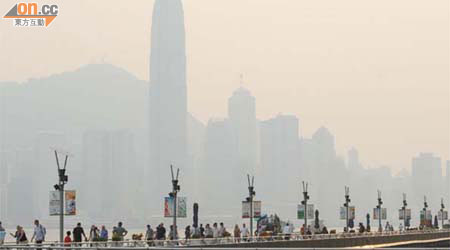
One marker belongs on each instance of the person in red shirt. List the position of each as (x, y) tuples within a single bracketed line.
[(67, 239)]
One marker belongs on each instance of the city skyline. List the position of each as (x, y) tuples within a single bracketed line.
[(126, 132), (301, 158), (369, 78)]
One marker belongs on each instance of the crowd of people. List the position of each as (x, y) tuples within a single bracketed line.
[(99, 234), (20, 236), (195, 232), (76, 236), (160, 234)]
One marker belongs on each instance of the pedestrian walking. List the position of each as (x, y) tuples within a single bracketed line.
[(237, 233), (171, 233), (39, 234), (160, 234), (120, 231), (215, 230), (286, 232), (2, 234), (78, 232), (20, 236), (67, 239), (187, 232), (222, 230), (104, 234), (93, 234), (208, 232), (202, 231), (245, 233), (149, 235)]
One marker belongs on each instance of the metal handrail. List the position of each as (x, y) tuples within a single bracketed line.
[(208, 241)]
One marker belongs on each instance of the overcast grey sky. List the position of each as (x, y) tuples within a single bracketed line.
[(376, 73)]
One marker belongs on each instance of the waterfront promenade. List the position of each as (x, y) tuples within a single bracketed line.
[(375, 240)]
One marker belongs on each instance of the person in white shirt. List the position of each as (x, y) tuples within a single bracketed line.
[(215, 230), (222, 230), (244, 232), (208, 231), (39, 233), (286, 231)]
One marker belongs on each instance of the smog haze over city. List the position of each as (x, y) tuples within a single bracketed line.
[(333, 93)]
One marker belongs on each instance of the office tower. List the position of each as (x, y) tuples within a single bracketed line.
[(242, 115), (167, 97), (427, 179), (280, 163)]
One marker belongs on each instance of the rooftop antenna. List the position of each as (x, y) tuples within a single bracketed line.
[(241, 79)]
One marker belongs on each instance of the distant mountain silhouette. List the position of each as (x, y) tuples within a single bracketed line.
[(93, 96)]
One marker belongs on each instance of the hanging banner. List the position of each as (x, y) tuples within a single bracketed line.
[(246, 209), (301, 211), (425, 218), (256, 209), (376, 213), (443, 214), (401, 213), (351, 213), (54, 204), (181, 207), (69, 204), (70, 200)]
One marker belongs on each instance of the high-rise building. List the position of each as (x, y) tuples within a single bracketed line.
[(242, 115), (167, 97), (280, 163), (353, 163), (108, 161), (325, 167), (427, 179), (220, 171)]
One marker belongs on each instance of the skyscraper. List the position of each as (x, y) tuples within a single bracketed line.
[(167, 97), (280, 162), (242, 115), (427, 179)]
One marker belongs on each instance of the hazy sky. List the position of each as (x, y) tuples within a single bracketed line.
[(376, 73)]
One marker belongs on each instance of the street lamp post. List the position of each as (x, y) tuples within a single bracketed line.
[(346, 205), (380, 202), (425, 206), (405, 204), (173, 195), (63, 178), (251, 194), (305, 202), (442, 212)]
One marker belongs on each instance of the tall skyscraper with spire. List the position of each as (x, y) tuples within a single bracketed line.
[(167, 100)]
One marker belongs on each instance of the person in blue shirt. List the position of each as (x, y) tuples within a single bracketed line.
[(104, 233)]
